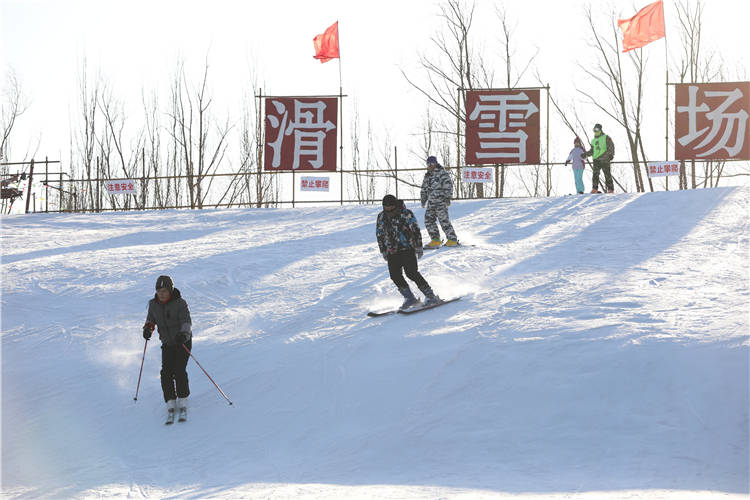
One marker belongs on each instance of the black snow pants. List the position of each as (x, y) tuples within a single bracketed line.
[(405, 260), (174, 379)]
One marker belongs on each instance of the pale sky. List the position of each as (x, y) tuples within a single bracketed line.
[(135, 46)]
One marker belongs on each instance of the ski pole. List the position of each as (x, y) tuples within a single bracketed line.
[(207, 375), (140, 372)]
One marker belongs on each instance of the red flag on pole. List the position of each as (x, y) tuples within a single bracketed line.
[(644, 27), (327, 44)]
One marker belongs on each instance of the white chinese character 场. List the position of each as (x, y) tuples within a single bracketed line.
[(730, 123), (498, 112), (308, 128)]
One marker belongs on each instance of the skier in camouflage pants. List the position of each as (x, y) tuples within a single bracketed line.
[(437, 190)]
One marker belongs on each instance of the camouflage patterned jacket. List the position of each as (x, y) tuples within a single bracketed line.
[(437, 186), (398, 232)]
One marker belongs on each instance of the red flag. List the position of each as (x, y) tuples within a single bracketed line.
[(644, 27), (327, 44)]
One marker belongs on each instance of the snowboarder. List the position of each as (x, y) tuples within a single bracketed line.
[(603, 151), (576, 157), (169, 312), (437, 190), (400, 242)]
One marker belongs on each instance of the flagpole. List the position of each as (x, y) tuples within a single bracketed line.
[(666, 67), (666, 98)]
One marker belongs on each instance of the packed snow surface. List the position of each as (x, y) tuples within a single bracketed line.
[(600, 351)]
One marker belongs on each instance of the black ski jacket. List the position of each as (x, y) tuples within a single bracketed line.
[(171, 318)]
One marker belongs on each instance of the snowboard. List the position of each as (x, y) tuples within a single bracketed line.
[(415, 308)]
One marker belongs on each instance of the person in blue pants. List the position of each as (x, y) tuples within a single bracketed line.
[(576, 158)]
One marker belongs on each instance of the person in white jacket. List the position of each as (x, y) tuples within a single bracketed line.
[(576, 158)]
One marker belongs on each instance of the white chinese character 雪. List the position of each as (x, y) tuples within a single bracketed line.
[(498, 113)]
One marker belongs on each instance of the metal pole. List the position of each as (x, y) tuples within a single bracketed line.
[(341, 122), (46, 189), (207, 375), (549, 170), (341, 133), (259, 152), (395, 163), (140, 372), (28, 193)]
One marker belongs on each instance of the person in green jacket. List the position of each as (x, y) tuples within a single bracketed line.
[(603, 150)]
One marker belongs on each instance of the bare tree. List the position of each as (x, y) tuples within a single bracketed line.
[(456, 68), (250, 186), (114, 118), (622, 106), (151, 154), (14, 104), (508, 56), (460, 63), (84, 136), (202, 144), (697, 64)]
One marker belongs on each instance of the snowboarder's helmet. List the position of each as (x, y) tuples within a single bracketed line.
[(389, 201), (165, 282), (431, 160)]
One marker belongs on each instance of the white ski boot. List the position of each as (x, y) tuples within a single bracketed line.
[(181, 409), (170, 412)]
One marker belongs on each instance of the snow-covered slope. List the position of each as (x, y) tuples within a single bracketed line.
[(601, 351)]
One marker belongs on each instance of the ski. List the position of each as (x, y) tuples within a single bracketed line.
[(375, 314), (416, 308), (423, 307), (464, 245), (386, 312)]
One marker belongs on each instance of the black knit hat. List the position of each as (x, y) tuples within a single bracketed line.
[(389, 200), (165, 282)]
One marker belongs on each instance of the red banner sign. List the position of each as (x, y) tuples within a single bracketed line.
[(711, 121), (502, 126), (301, 133)]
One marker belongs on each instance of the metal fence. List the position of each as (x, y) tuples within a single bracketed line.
[(41, 189)]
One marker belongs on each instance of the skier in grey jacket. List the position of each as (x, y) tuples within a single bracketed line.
[(437, 191), (170, 313)]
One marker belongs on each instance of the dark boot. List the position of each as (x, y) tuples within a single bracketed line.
[(409, 298), (429, 296)]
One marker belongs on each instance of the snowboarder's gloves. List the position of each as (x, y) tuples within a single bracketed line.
[(448, 202), (419, 251), (423, 204), (181, 338), (148, 329)]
